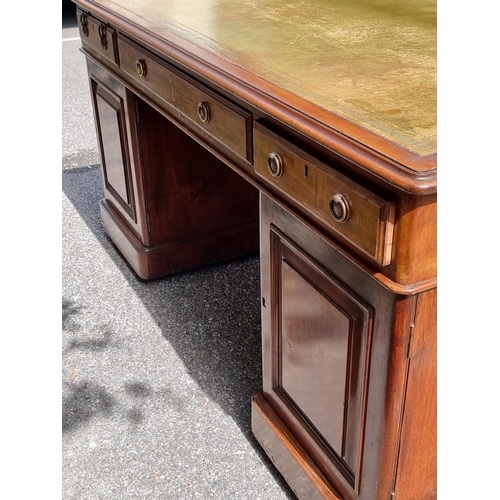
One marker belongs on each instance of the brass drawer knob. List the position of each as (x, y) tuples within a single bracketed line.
[(204, 112), (339, 208), (103, 36), (140, 66), (85, 24), (274, 164)]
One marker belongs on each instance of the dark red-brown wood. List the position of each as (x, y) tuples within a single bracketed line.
[(385, 159), (170, 205), (385, 225), (117, 139), (343, 404), (416, 475), (348, 406), (301, 473)]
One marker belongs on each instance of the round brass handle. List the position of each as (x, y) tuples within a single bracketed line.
[(103, 35), (339, 208), (84, 23), (140, 66), (204, 112), (274, 164)]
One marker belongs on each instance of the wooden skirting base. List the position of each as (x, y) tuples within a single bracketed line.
[(294, 464), (162, 260)]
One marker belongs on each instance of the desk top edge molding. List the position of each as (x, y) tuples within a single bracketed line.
[(380, 157)]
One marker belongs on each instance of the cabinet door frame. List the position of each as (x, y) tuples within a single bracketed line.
[(288, 259), (101, 92), (134, 213), (385, 354)]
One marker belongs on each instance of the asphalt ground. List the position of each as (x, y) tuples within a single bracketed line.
[(157, 375)]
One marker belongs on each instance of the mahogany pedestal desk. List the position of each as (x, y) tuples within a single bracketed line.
[(308, 130)]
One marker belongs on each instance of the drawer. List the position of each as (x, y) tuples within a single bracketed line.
[(350, 210), (98, 37), (227, 123)]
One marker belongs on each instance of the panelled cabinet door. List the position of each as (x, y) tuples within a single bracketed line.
[(320, 356), (326, 337), (115, 164), (120, 162)]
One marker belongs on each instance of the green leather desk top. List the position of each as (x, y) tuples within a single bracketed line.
[(372, 62)]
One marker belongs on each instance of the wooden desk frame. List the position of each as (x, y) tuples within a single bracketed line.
[(348, 405)]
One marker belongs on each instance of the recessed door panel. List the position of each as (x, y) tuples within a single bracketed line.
[(115, 157), (116, 123), (321, 351), (314, 345)]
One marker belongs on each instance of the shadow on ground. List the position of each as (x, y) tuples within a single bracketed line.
[(217, 309)]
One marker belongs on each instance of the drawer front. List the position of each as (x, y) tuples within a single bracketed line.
[(224, 121), (351, 210), (98, 37)]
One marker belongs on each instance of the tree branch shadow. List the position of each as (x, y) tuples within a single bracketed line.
[(210, 316)]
